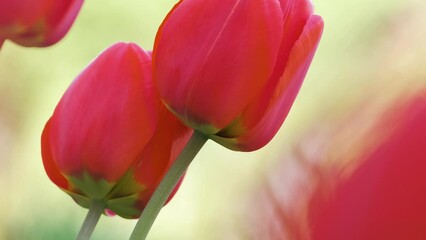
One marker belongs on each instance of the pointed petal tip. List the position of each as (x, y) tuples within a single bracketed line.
[(127, 46), (317, 22)]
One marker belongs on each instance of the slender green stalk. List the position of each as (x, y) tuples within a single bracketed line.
[(92, 218), (167, 185)]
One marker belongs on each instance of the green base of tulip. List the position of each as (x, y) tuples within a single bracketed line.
[(92, 218), (167, 185)]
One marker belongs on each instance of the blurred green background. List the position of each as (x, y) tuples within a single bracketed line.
[(369, 48)]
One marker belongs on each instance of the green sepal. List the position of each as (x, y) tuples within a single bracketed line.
[(80, 199), (207, 129), (91, 187), (121, 197), (125, 206)]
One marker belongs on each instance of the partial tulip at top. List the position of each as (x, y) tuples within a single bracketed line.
[(109, 138), (36, 23), (232, 69)]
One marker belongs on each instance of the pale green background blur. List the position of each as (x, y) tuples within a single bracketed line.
[(369, 48)]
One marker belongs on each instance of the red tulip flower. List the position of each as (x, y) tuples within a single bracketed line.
[(232, 69), (109, 138), (36, 23)]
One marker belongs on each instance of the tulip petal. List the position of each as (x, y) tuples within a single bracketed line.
[(211, 58), (295, 15), (168, 141), (285, 93), (37, 23), (106, 116), (64, 24), (49, 164), (14, 20)]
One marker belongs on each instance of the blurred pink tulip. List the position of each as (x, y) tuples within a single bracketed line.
[(379, 194), (385, 197)]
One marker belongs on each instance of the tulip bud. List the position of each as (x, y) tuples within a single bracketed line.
[(36, 23), (109, 138), (232, 69)]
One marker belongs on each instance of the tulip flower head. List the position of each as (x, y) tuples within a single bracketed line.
[(231, 69), (109, 138), (36, 23)]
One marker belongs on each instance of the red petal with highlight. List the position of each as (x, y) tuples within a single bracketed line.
[(168, 141), (107, 115), (49, 164), (286, 91), (296, 13), (211, 58)]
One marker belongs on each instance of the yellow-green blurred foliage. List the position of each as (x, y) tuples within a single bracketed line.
[(370, 49)]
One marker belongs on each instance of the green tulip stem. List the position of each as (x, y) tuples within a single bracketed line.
[(167, 185), (92, 218)]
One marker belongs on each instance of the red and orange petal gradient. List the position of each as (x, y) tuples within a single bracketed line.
[(98, 143), (232, 69), (36, 23), (159, 154)]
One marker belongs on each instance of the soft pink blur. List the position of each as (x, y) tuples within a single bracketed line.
[(373, 188), (385, 197)]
